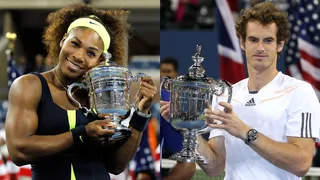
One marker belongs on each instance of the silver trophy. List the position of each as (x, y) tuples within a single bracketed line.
[(190, 95), (108, 89)]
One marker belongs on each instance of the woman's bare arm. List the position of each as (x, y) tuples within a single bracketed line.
[(22, 122)]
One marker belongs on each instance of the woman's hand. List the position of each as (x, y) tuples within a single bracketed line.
[(146, 94), (99, 131)]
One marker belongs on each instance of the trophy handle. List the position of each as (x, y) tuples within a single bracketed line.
[(81, 86), (138, 76), (229, 88), (220, 87), (165, 84)]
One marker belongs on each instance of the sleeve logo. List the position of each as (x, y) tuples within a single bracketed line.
[(306, 130)]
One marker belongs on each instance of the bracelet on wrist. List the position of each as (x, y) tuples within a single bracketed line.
[(139, 120), (79, 134)]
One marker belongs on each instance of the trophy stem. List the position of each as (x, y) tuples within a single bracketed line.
[(121, 131), (116, 118), (189, 151)]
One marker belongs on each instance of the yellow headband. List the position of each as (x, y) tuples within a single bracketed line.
[(94, 25)]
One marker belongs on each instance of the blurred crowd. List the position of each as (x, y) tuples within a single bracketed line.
[(186, 14), (40, 63), (198, 14)]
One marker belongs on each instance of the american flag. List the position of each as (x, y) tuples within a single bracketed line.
[(231, 62), (12, 70), (303, 50), (143, 160)]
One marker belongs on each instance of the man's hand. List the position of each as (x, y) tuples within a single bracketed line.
[(230, 121)]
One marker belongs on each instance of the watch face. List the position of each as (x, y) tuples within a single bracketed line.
[(252, 135), (252, 132)]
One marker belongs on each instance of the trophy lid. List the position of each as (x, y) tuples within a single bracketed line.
[(196, 71), (109, 63), (109, 68)]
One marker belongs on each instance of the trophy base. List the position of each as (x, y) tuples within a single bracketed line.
[(121, 132), (183, 157)]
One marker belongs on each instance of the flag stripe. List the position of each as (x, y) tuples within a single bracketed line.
[(311, 59), (294, 70), (229, 53), (309, 48), (311, 80), (25, 172), (310, 69), (230, 70)]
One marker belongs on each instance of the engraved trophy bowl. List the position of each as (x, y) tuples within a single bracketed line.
[(108, 89), (190, 95)]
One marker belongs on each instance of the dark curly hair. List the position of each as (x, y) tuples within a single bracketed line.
[(265, 13), (115, 21)]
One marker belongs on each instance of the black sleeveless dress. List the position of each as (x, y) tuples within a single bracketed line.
[(81, 163)]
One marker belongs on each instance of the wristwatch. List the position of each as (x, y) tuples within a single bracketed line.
[(252, 135)]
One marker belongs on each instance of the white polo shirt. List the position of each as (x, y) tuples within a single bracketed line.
[(284, 107)]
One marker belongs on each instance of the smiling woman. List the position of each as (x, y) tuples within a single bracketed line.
[(46, 129)]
